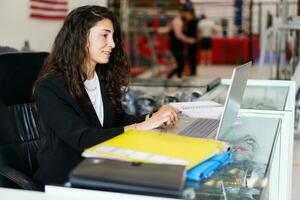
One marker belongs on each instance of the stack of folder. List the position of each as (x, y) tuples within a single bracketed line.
[(158, 154), (130, 177), (156, 147)]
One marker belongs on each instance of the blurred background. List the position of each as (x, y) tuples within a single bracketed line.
[(239, 29)]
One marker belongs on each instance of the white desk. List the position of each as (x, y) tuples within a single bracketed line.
[(15, 194), (271, 123), (63, 193), (276, 99)]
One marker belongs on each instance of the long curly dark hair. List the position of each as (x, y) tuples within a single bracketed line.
[(69, 55)]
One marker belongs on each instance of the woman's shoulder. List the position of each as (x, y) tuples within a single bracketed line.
[(52, 85), (52, 78), (52, 81)]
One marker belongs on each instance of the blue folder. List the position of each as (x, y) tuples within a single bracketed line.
[(208, 167)]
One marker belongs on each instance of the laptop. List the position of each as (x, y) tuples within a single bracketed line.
[(212, 128)]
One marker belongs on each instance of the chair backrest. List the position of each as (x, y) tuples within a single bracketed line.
[(18, 129)]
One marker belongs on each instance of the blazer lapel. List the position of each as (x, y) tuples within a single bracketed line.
[(87, 112), (91, 113), (108, 110)]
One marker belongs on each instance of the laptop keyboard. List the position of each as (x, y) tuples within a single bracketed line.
[(200, 127)]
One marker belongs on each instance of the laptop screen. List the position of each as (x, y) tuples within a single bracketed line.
[(234, 97)]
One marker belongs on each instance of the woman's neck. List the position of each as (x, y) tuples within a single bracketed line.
[(90, 74), (90, 71)]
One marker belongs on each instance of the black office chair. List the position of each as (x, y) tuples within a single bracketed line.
[(19, 136)]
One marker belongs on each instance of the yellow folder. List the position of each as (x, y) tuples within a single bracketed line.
[(156, 147)]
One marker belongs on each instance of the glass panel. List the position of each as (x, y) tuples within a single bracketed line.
[(147, 95), (142, 100), (255, 97), (189, 82), (265, 98), (252, 141)]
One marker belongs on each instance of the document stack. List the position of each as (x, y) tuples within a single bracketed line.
[(148, 162), (156, 147)]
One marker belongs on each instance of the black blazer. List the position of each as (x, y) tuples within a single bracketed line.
[(67, 128)]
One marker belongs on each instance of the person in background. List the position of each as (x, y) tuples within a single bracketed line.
[(178, 39), (26, 46), (78, 93), (206, 29), (191, 31), (224, 25)]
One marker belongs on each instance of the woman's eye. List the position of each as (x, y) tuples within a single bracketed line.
[(104, 35)]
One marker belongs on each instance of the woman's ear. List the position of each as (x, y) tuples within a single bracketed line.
[(87, 45)]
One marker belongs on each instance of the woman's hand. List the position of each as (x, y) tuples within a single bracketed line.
[(165, 116), (170, 112)]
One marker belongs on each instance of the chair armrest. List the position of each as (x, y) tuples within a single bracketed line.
[(19, 178)]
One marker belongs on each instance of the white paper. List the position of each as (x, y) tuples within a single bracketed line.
[(200, 109), (107, 151)]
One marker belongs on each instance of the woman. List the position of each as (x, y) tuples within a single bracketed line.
[(78, 93)]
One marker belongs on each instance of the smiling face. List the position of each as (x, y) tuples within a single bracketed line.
[(100, 42)]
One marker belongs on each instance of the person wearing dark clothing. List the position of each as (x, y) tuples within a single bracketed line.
[(176, 47), (177, 40), (192, 48), (78, 93), (69, 128)]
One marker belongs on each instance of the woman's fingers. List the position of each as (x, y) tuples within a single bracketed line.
[(172, 118), (165, 116), (175, 116), (166, 108)]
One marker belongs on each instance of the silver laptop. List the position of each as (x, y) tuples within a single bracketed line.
[(212, 128)]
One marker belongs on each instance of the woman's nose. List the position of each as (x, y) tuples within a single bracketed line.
[(111, 43)]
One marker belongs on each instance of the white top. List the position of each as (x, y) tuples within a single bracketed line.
[(207, 27), (93, 89)]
